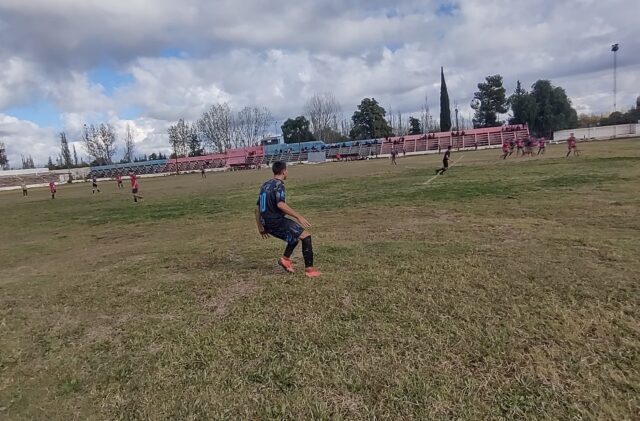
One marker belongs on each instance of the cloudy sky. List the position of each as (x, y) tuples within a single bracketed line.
[(148, 63)]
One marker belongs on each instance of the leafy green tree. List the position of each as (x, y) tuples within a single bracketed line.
[(414, 126), (489, 101), (553, 109), (630, 117), (369, 121), (445, 107), (523, 106), (296, 130)]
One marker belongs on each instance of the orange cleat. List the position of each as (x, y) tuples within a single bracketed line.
[(312, 273), (286, 264)]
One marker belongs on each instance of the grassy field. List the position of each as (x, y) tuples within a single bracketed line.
[(504, 289)]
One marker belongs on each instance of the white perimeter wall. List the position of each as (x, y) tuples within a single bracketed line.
[(31, 171), (599, 132)]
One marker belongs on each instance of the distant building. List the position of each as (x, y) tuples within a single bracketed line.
[(272, 140)]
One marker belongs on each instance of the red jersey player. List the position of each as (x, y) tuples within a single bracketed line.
[(53, 189), (520, 146), (119, 181), (541, 145), (505, 150), (571, 146), (134, 186)]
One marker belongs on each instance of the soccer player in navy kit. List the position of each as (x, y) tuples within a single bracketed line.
[(271, 212), (445, 161)]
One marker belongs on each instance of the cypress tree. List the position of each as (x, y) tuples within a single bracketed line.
[(445, 108)]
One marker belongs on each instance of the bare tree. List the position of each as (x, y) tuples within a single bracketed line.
[(251, 124), (215, 127), (27, 162), (183, 130), (194, 143), (100, 142), (108, 139), (324, 111), (179, 137), (427, 121), (129, 148), (92, 144), (401, 128), (220, 128), (345, 127)]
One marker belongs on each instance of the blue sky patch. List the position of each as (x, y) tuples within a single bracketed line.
[(109, 79), (130, 113), (172, 52), (447, 9), (43, 113)]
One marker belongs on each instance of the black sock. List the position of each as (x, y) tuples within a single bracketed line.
[(307, 252), (289, 250)]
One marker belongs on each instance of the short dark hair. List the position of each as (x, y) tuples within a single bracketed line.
[(278, 167)]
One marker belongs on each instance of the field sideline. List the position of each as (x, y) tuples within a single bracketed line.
[(503, 289)]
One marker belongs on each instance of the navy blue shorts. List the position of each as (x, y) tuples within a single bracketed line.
[(287, 230)]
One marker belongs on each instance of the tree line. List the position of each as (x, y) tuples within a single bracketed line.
[(631, 116), (219, 128), (545, 108)]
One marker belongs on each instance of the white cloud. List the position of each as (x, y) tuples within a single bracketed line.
[(19, 80), (26, 138)]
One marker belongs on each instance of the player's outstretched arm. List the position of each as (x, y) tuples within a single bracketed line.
[(261, 229), (288, 211)]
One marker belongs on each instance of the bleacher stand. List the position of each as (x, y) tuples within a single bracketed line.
[(464, 139), (29, 179), (145, 167)]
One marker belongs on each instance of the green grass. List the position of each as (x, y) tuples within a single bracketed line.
[(502, 290)]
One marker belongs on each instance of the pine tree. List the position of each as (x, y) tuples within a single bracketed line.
[(489, 101), (445, 107), (414, 126), (523, 106), (369, 121), (65, 154)]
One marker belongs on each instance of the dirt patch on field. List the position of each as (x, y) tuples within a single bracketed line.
[(222, 302)]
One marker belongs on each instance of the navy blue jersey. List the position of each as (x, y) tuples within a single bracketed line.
[(447, 154), (271, 193)]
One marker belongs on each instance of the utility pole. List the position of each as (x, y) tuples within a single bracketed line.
[(456, 110)]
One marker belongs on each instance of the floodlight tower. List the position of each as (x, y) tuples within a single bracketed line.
[(614, 49), (456, 111)]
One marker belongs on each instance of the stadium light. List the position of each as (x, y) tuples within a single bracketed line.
[(614, 49)]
